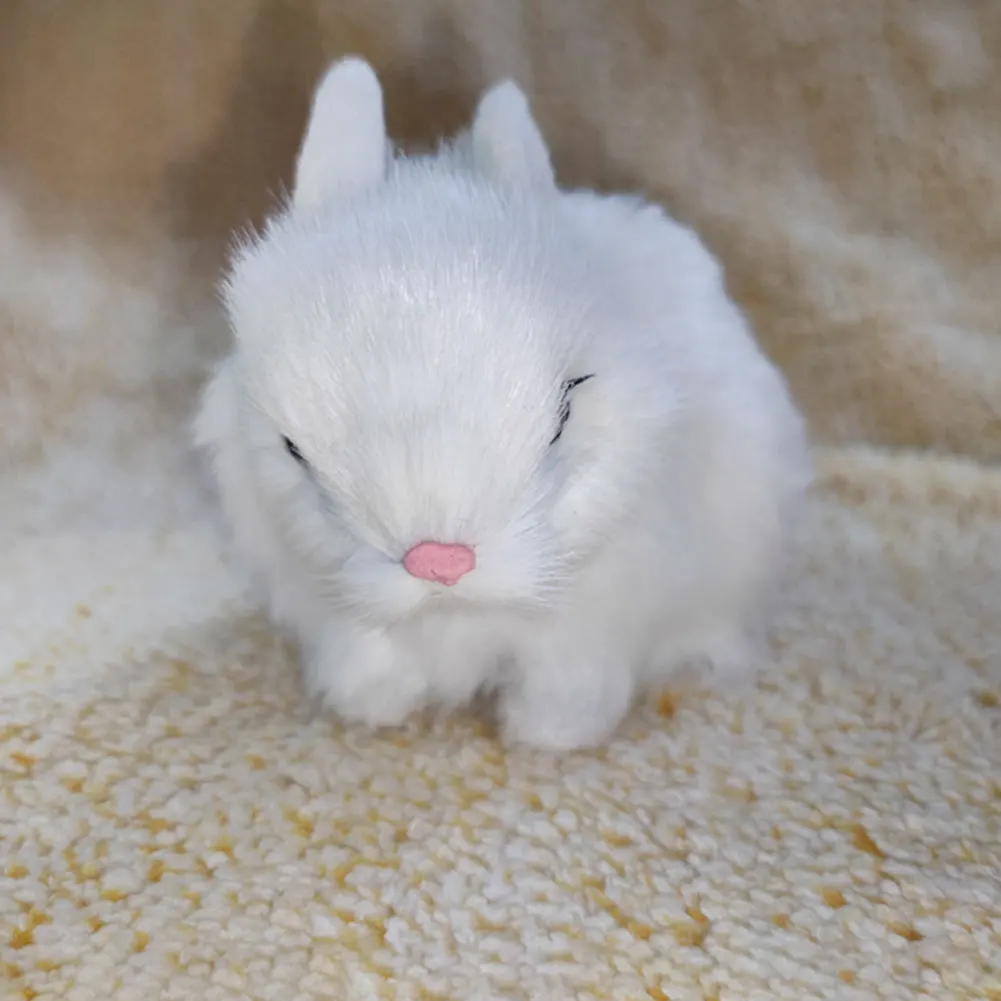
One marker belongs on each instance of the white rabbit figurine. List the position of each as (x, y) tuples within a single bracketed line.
[(478, 433)]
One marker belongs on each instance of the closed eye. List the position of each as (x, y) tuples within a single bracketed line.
[(293, 450), (568, 387)]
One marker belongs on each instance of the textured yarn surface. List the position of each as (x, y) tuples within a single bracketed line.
[(176, 823)]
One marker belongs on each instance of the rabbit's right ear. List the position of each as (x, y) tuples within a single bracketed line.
[(344, 150), (507, 143)]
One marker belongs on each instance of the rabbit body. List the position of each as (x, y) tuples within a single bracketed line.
[(449, 349)]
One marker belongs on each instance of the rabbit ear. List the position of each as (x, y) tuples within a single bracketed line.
[(344, 150), (507, 144)]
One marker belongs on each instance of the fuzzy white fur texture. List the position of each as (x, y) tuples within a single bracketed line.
[(410, 324)]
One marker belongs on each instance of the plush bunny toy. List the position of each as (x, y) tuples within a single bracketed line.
[(480, 434)]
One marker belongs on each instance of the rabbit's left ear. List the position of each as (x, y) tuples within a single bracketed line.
[(344, 150), (507, 144)]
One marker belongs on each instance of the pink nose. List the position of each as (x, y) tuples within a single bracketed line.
[(444, 563)]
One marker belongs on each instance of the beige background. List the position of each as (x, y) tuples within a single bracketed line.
[(842, 159)]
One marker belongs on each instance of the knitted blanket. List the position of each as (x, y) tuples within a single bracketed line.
[(175, 821)]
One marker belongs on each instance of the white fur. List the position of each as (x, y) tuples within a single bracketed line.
[(410, 332), (348, 103), (506, 142)]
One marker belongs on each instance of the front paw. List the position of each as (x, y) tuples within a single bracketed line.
[(364, 677), (565, 708)]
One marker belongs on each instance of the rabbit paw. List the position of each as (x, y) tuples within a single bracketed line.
[(365, 678), (565, 706)]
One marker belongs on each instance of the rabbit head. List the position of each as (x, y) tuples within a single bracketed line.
[(426, 402)]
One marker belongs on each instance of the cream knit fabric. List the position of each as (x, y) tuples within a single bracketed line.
[(176, 824)]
